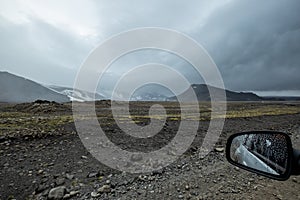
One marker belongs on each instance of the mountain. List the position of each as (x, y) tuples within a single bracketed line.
[(281, 98), (77, 95), (148, 96), (148, 92), (16, 89), (202, 93)]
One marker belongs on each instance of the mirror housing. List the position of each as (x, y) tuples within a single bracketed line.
[(266, 153)]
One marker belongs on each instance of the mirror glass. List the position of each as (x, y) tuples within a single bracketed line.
[(264, 152)]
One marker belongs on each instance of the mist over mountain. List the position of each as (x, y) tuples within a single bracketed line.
[(78, 95), (148, 96), (16, 89), (151, 92)]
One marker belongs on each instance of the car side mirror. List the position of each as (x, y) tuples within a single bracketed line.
[(266, 153)]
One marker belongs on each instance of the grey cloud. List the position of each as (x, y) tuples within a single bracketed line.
[(255, 44), (181, 15), (40, 51), (141, 57)]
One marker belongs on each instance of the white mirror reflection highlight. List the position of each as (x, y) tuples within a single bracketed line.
[(263, 152)]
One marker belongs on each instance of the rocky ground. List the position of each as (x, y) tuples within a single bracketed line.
[(55, 165)]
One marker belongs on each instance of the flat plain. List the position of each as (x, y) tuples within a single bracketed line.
[(41, 153)]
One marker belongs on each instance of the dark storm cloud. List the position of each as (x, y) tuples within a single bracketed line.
[(256, 44)]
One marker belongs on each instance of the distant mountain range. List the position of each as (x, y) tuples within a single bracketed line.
[(202, 94), (148, 96), (281, 98), (77, 95), (16, 89)]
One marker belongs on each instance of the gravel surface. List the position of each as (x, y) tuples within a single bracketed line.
[(59, 167)]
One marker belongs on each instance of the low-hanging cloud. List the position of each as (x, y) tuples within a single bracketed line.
[(255, 44)]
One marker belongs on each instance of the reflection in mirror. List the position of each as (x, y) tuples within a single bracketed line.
[(263, 152)]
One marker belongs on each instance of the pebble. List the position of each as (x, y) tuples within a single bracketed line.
[(41, 188), (237, 168), (69, 176), (95, 194), (73, 193), (104, 189), (67, 196), (44, 180), (2, 139), (92, 174), (142, 177), (139, 192), (60, 181), (219, 149), (278, 196), (57, 193)]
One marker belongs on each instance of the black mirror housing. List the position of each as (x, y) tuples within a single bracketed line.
[(266, 153)]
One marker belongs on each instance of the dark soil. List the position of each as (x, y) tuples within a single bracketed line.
[(31, 167)]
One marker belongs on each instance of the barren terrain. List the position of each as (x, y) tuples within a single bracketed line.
[(41, 155)]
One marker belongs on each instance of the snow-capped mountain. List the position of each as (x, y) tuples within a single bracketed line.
[(77, 95), (16, 89), (148, 97)]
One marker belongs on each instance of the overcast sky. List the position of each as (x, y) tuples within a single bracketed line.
[(255, 44)]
